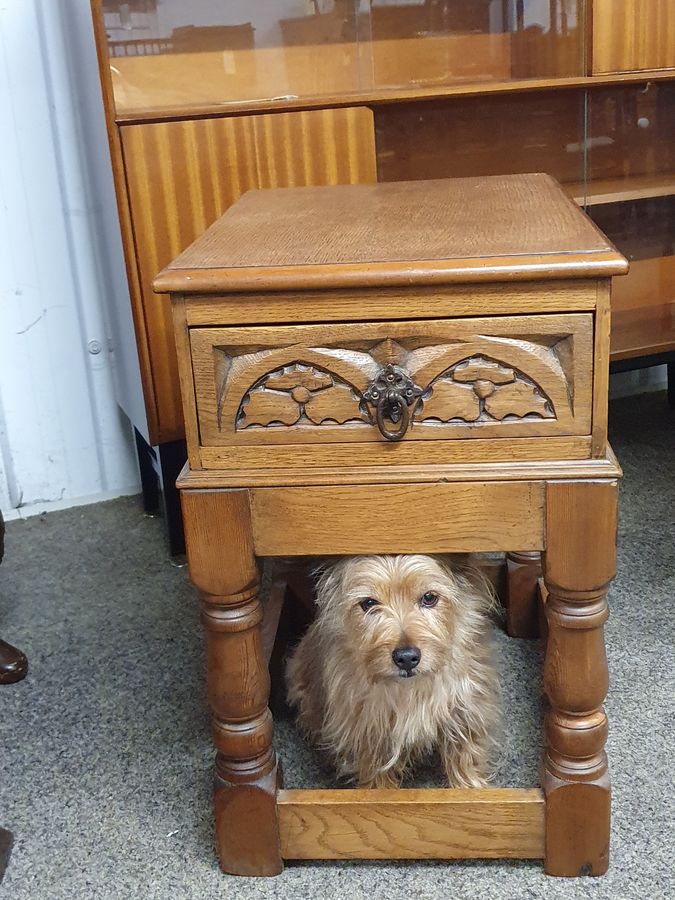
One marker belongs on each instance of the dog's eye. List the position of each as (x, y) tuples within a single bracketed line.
[(368, 603), (428, 600)]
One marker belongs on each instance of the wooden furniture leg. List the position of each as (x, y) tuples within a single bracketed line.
[(523, 570), (222, 565), (579, 563)]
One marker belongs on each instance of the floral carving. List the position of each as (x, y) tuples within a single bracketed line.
[(449, 383), (482, 390), (266, 407), (297, 395)]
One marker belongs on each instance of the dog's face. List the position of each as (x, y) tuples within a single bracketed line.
[(394, 615)]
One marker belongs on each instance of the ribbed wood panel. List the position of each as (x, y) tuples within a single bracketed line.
[(630, 35), (181, 176), (324, 146)]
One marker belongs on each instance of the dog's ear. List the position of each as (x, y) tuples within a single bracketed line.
[(470, 580), (475, 583), (328, 579), (450, 565)]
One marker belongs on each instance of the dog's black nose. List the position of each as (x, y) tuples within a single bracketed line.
[(407, 658)]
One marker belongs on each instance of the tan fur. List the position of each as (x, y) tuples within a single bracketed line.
[(350, 697)]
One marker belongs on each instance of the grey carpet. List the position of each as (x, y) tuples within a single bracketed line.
[(105, 765)]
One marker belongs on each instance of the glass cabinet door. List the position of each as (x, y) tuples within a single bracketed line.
[(175, 55), (169, 55), (501, 134), (631, 196)]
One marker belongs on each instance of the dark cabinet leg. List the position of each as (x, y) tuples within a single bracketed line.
[(523, 571), (150, 481), (172, 457), (159, 467)]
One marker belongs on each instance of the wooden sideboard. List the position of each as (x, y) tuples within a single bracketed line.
[(197, 115)]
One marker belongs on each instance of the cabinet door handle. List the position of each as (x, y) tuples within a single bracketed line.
[(391, 392)]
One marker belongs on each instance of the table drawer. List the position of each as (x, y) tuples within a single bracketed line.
[(504, 376)]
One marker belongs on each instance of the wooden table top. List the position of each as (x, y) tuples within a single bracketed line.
[(514, 227)]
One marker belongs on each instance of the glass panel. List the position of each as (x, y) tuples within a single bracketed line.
[(631, 196), (491, 135), (175, 54), (170, 54)]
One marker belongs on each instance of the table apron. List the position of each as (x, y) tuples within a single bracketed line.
[(398, 518)]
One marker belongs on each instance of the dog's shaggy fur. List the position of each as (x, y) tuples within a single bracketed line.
[(356, 704)]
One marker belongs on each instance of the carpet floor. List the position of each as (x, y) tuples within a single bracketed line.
[(105, 759)]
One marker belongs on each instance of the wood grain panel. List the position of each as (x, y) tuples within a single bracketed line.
[(217, 526), (567, 459), (411, 824), (399, 518), (182, 176), (630, 35), (584, 564), (443, 301), (386, 456), (601, 369), (186, 377)]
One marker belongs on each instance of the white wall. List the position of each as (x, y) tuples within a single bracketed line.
[(63, 438)]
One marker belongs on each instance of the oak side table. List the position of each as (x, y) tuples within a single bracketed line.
[(414, 367)]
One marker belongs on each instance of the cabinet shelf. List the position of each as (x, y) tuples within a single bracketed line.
[(643, 309), (469, 88), (622, 190), (643, 331)]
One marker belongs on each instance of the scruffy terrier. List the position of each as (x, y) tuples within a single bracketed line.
[(397, 664)]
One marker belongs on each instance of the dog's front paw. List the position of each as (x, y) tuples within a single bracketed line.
[(466, 768)]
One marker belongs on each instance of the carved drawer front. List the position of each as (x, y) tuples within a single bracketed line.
[(507, 376)]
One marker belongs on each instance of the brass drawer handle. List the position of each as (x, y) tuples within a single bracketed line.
[(391, 393)]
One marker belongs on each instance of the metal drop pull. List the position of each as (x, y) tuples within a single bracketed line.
[(391, 393)]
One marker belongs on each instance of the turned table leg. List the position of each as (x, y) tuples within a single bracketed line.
[(579, 563), (523, 570), (222, 565)]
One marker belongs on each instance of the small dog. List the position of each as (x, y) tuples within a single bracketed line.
[(398, 663)]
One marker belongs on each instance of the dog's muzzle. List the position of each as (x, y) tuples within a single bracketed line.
[(406, 659)]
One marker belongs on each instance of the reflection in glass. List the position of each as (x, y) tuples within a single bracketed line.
[(492, 135), (168, 53)]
